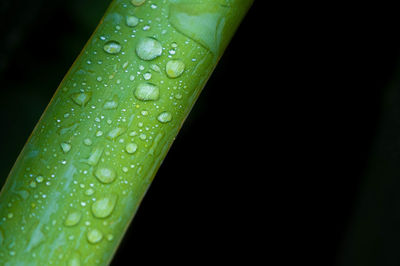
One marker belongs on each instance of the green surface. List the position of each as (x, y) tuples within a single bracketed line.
[(80, 178)]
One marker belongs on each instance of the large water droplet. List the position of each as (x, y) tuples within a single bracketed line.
[(148, 48), (147, 92), (105, 175), (73, 218), (103, 207), (131, 148), (94, 236), (112, 47), (174, 68), (95, 156), (81, 98), (137, 2), (131, 21), (164, 117)]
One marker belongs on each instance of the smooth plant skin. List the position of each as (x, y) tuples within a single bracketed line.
[(89, 161)]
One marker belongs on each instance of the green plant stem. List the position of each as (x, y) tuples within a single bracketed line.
[(82, 174)]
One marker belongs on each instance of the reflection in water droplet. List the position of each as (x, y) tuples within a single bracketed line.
[(73, 218), (174, 68), (147, 92), (105, 175), (112, 47), (148, 48), (94, 236), (103, 207), (131, 148), (132, 21), (164, 117)]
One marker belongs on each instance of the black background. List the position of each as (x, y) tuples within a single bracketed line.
[(272, 161)]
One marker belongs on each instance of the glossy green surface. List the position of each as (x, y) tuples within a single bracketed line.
[(81, 176)]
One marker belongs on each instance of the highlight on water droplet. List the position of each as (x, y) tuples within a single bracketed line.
[(174, 68), (103, 207), (164, 117), (131, 148), (112, 47), (73, 218), (94, 236), (66, 147), (81, 98), (105, 175), (147, 92), (131, 21), (137, 2), (148, 48)]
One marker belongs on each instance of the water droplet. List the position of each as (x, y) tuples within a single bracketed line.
[(81, 98), (147, 76), (131, 148), (74, 260), (109, 105), (148, 48), (112, 47), (103, 207), (105, 175), (131, 21), (95, 156), (147, 92), (155, 67), (115, 133), (174, 68), (89, 192), (164, 117), (39, 179), (73, 218), (137, 2), (65, 147), (94, 236), (87, 142), (110, 237), (32, 184)]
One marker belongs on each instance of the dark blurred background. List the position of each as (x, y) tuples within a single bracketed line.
[(303, 166)]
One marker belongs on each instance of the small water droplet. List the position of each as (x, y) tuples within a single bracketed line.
[(147, 92), (95, 156), (131, 148), (73, 218), (137, 2), (87, 142), (66, 147), (81, 98), (147, 76), (89, 192), (131, 21), (174, 68), (148, 48), (104, 206), (164, 117), (39, 179), (112, 47), (94, 236), (109, 105), (105, 175)]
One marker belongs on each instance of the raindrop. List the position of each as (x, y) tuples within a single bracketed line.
[(65, 147), (148, 48), (73, 218), (115, 133), (174, 68), (147, 92), (137, 2), (132, 21), (81, 98), (105, 175), (112, 47), (103, 207), (87, 142), (94, 236), (164, 117), (131, 148)]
